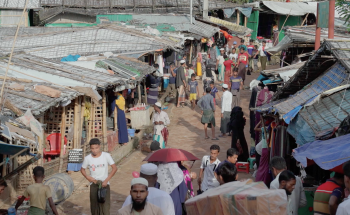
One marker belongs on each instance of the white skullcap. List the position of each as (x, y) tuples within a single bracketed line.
[(139, 181), (182, 61), (158, 104), (225, 86), (149, 169), (222, 49)]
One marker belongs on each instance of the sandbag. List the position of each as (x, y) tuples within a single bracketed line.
[(48, 91)]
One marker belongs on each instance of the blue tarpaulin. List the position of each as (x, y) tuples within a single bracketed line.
[(70, 58), (246, 11), (9, 149), (327, 154)]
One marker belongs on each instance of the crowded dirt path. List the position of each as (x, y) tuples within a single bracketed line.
[(186, 132)]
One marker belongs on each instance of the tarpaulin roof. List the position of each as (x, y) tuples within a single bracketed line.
[(319, 119), (9, 149), (327, 154), (290, 8)]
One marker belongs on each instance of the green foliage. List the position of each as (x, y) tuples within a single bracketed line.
[(343, 7)]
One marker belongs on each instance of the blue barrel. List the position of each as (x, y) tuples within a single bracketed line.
[(131, 132), (11, 211), (62, 186), (166, 82)]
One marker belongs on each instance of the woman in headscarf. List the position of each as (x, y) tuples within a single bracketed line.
[(171, 180), (237, 123), (119, 105)]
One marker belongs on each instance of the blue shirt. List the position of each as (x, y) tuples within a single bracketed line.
[(214, 91), (193, 86)]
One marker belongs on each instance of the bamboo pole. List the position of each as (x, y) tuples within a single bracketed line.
[(81, 123), (139, 92), (115, 118), (93, 119), (238, 16), (304, 19), (63, 132), (104, 121), (4, 167), (191, 53), (144, 87), (41, 142), (245, 21), (282, 27), (11, 54), (90, 123), (13, 156), (76, 124)]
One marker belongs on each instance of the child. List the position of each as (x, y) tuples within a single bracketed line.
[(242, 63), (190, 71), (250, 48), (38, 194), (193, 88), (231, 158), (214, 91), (236, 85), (233, 56), (255, 58)]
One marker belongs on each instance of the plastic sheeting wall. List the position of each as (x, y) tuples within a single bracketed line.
[(11, 18)]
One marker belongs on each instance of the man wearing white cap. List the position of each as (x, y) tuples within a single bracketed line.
[(155, 196), (181, 83), (160, 121), (139, 193), (225, 110), (220, 64)]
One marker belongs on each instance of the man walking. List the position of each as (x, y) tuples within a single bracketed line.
[(298, 197), (155, 196), (171, 89), (98, 163), (139, 192), (226, 103), (160, 121), (206, 103), (208, 167), (181, 83)]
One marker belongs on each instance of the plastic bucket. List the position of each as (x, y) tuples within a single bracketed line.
[(61, 185), (131, 132), (11, 211), (166, 82)]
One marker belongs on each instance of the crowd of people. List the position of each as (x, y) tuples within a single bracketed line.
[(163, 188)]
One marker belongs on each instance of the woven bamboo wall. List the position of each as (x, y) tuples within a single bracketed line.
[(25, 177), (96, 128), (53, 119)]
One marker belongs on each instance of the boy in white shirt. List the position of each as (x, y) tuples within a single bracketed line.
[(97, 163)]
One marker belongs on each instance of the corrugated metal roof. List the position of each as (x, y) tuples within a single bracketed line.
[(63, 73), (19, 4), (163, 22), (37, 102), (290, 8), (314, 121), (283, 69), (89, 41)]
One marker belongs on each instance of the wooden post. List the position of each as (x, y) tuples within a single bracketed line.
[(191, 53), (245, 21), (115, 119), (93, 119), (90, 123), (63, 132), (238, 16), (81, 123), (104, 121), (144, 86), (41, 142), (4, 167), (139, 93), (76, 124)]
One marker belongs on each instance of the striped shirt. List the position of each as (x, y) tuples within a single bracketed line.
[(323, 194)]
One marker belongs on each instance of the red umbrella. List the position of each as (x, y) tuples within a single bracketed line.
[(170, 155)]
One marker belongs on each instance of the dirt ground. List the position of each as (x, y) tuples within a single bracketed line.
[(186, 132)]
